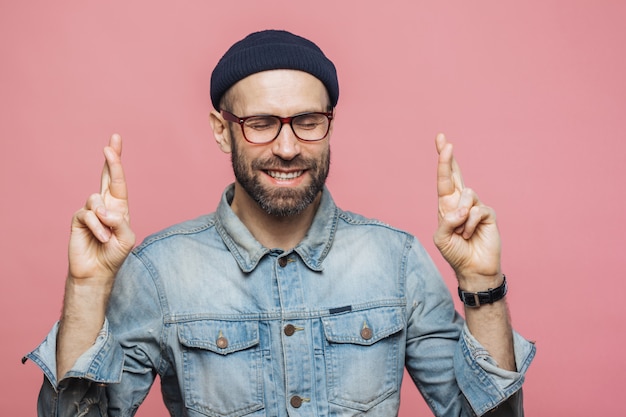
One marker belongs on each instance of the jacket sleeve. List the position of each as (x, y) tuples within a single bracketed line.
[(453, 372), (116, 373)]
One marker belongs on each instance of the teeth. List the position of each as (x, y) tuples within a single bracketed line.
[(284, 175)]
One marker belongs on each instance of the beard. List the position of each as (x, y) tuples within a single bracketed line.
[(280, 202)]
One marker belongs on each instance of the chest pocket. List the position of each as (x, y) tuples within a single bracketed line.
[(222, 367), (363, 363)]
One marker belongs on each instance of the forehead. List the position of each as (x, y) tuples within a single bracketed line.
[(281, 92)]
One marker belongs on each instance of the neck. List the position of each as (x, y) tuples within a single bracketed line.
[(274, 232)]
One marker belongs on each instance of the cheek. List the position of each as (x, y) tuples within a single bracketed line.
[(316, 150), (245, 159), (325, 154)]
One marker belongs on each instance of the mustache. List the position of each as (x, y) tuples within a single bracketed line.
[(298, 162)]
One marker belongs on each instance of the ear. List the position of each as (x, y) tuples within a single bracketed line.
[(220, 131), (332, 124)]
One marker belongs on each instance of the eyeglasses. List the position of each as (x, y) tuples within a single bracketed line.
[(308, 127)]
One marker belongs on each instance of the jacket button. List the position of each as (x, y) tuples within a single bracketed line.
[(366, 333), (222, 342), (295, 401), (290, 329), (283, 262)]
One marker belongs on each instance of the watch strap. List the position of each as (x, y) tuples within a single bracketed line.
[(476, 299)]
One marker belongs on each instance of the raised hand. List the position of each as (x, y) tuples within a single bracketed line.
[(467, 235), (101, 236), (469, 240), (101, 239)]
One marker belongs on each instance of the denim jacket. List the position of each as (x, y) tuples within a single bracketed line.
[(236, 329)]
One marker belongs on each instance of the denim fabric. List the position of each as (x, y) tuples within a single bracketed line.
[(236, 329)]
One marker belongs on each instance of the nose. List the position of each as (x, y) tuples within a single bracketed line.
[(286, 145)]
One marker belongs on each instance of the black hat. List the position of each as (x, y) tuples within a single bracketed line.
[(268, 50)]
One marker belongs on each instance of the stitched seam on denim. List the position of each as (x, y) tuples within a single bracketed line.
[(179, 229), (277, 315)]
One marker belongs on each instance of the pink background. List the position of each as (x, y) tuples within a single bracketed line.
[(532, 95)]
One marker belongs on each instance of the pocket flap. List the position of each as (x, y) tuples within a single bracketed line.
[(219, 336), (364, 327)]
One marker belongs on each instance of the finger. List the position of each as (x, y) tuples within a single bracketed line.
[(115, 143), (88, 217), (440, 142), (467, 200), (102, 223), (453, 221), (90, 220), (445, 182), (449, 178), (477, 215), (94, 201), (105, 177), (113, 180), (118, 226)]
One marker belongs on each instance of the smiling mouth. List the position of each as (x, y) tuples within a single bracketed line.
[(279, 175)]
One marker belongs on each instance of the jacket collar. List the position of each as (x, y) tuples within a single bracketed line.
[(247, 251)]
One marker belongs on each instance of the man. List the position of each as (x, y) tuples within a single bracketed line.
[(280, 303)]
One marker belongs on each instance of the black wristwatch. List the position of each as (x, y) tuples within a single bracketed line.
[(476, 299)]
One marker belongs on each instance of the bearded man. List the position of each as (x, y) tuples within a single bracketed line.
[(280, 303)]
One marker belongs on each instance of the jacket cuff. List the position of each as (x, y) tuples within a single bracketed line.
[(483, 383), (102, 362)]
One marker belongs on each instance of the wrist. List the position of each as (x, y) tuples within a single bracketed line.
[(90, 282), (86, 295), (479, 282)]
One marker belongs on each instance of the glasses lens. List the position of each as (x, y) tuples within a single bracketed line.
[(260, 129), (310, 126)]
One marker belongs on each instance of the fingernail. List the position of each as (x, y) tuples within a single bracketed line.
[(104, 236)]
